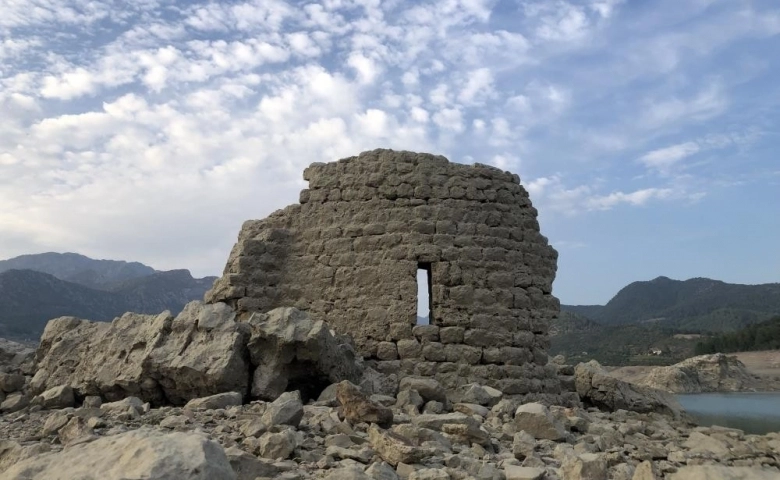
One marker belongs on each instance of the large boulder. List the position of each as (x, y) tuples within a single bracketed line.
[(291, 351), (705, 373), (597, 388), (158, 358), (143, 453), (14, 355)]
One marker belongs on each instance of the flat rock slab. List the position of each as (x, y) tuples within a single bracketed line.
[(718, 472), (146, 454)]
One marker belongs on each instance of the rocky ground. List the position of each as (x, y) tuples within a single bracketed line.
[(346, 435), (145, 420)]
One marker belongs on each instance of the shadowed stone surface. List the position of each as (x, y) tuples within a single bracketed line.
[(349, 253)]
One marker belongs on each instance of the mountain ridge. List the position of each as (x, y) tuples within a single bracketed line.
[(29, 298), (685, 303)]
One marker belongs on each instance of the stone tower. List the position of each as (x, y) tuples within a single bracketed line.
[(349, 254)]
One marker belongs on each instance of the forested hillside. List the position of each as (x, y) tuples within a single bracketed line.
[(759, 336)]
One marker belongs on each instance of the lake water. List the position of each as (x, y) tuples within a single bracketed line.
[(757, 413)]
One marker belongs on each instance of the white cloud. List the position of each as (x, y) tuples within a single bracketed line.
[(478, 87), (663, 158), (123, 122), (449, 119), (637, 198), (707, 103)]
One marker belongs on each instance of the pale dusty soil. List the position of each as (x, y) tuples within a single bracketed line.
[(764, 364)]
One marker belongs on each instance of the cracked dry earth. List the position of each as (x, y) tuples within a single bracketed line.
[(346, 435)]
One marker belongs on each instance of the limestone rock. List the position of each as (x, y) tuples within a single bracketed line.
[(285, 410), (394, 448), (381, 471), (523, 445), (430, 474), (347, 473), (517, 472), (428, 388), (155, 456), (720, 472), (596, 387), (644, 471), (158, 358), (75, 431), (482, 395), (249, 467), (704, 373), (121, 406), (55, 397), (14, 402), (11, 382), (276, 445), (54, 422), (588, 466), (536, 420), (356, 407), (220, 400), (15, 355), (289, 348)]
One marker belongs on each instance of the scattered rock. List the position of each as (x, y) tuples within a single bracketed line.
[(75, 431), (56, 397), (220, 400), (285, 410), (394, 448), (249, 467), (704, 373), (481, 394), (720, 472), (122, 406), (536, 420), (516, 472), (155, 456), (596, 387), (14, 402), (356, 407), (588, 466), (11, 382), (276, 445), (428, 388)]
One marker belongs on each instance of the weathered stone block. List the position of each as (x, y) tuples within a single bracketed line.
[(451, 334), (462, 354), (386, 351), (434, 351), (409, 348)]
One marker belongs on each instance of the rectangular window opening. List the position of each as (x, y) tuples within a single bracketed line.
[(424, 290)]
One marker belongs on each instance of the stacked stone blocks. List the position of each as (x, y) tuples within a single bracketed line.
[(350, 251)]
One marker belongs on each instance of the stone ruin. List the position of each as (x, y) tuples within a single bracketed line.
[(349, 254)]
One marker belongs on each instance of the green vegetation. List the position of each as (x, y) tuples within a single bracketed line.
[(698, 304), (647, 317), (759, 336), (622, 345)]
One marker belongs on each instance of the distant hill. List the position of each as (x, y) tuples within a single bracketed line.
[(569, 322), (698, 304), (76, 268), (660, 315), (29, 298)]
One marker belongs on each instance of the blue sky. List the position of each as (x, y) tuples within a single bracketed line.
[(645, 131)]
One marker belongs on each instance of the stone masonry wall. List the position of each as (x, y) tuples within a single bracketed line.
[(349, 254)]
